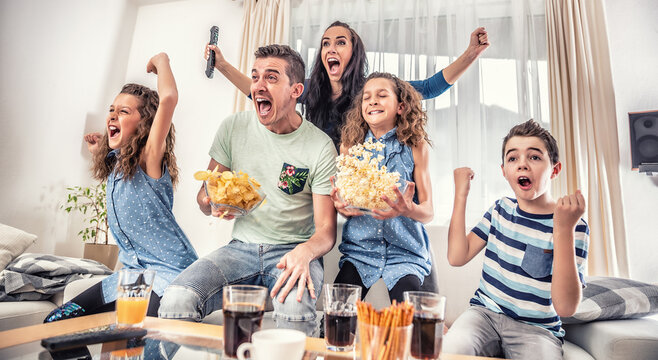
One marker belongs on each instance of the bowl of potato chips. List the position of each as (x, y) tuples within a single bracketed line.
[(361, 182), (231, 193)]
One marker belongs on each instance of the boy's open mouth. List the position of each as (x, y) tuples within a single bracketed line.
[(524, 182), (264, 106)]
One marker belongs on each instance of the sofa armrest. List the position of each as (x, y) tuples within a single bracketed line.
[(616, 339), (75, 288)]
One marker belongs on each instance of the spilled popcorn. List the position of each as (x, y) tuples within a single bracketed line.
[(360, 180)]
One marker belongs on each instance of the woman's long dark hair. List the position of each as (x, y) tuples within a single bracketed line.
[(325, 113)]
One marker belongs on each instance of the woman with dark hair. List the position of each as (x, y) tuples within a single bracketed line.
[(340, 70)]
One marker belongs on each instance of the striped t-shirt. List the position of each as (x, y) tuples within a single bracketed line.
[(518, 265)]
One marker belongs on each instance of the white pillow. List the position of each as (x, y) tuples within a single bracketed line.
[(12, 243)]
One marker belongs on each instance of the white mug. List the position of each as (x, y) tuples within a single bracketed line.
[(274, 344)]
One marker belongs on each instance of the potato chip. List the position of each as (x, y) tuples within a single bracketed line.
[(230, 188)]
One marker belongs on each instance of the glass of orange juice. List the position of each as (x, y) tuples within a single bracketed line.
[(133, 293)]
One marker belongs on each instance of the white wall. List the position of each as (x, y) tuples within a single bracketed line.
[(62, 64), (54, 71), (632, 28)]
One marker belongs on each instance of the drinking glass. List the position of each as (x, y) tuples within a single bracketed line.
[(243, 307), (340, 315), (133, 293), (429, 316)]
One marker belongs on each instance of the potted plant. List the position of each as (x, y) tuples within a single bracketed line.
[(90, 201)]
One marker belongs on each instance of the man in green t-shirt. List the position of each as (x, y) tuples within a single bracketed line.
[(278, 245)]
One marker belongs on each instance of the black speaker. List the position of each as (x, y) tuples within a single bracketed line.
[(644, 138)]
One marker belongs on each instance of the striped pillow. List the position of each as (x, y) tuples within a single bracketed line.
[(609, 298)]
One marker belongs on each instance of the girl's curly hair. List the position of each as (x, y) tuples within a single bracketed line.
[(410, 124), (130, 153)]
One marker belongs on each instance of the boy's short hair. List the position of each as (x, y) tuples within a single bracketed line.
[(295, 69), (532, 128)]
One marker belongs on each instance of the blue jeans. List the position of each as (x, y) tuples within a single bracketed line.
[(482, 332), (197, 291)]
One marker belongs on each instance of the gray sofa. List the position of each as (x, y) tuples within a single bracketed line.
[(18, 314), (24, 313)]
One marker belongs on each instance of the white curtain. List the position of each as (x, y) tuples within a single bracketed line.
[(265, 22), (583, 107), (416, 38)]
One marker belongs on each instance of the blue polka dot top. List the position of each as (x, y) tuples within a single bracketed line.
[(393, 248), (140, 217)]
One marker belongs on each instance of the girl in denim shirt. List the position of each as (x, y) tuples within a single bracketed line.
[(392, 244), (136, 158)]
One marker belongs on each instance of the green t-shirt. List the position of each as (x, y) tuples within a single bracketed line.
[(290, 167)]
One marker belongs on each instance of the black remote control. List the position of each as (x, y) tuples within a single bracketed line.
[(69, 341), (210, 65)]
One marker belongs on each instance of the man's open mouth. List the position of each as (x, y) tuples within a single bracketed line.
[(264, 106)]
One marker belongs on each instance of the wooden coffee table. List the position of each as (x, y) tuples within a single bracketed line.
[(188, 333)]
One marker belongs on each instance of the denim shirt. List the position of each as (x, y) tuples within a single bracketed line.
[(140, 217), (393, 248)]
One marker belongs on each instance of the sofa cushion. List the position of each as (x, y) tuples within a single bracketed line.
[(23, 313), (608, 298), (575, 352), (635, 339), (12, 243)]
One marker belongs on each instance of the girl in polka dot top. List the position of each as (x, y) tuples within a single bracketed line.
[(136, 158), (391, 244)]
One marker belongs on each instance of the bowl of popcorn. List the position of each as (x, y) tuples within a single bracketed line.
[(231, 193), (361, 182)]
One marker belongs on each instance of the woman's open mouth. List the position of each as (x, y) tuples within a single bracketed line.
[(334, 65)]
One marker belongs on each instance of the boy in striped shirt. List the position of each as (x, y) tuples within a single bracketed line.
[(535, 255)]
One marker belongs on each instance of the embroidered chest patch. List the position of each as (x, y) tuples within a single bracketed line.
[(292, 179)]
